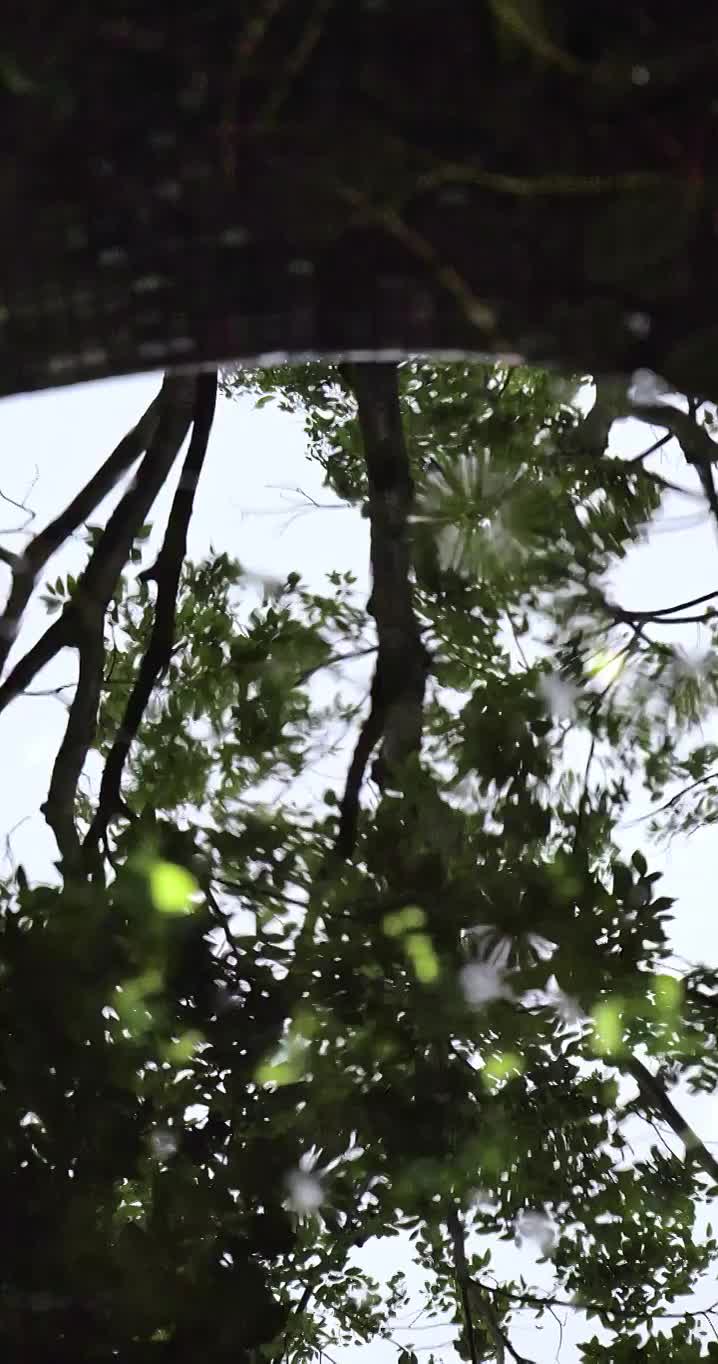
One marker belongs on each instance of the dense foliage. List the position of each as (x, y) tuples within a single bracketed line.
[(232, 1056)]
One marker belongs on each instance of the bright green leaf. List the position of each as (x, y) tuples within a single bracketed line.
[(171, 887), (669, 994), (182, 1049), (422, 956), (403, 921), (608, 1027), (501, 1067)]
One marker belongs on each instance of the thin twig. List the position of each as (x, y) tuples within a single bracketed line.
[(284, 80), (654, 1092), (698, 446), (657, 444), (538, 1303), (623, 613), (708, 481), (333, 661), (668, 805), (20, 506), (51, 691), (476, 310), (46, 542), (583, 802), (519, 646), (668, 486)]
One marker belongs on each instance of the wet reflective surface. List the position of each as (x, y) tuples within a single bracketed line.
[(345, 1009)]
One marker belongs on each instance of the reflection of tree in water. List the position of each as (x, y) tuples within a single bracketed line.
[(244, 1036)]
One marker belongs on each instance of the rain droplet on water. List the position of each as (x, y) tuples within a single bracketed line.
[(567, 1008), (234, 236), (536, 1227), (639, 324), (646, 387), (163, 1143), (481, 982), (558, 694), (305, 1192), (300, 267)]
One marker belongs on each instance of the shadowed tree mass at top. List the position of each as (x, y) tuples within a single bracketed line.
[(488, 176)]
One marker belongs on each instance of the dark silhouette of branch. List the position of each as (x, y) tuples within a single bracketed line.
[(659, 479), (702, 459), (685, 620), (386, 216), (97, 582), (332, 661), (397, 692), (707, 478), (697, 445), (369, 736), (166, 573), (668, 486), (537, 1302), (613, 404), (343, 1236), (655, 1095), (81, 624), (27, 566), (583, 802), (51, 691), (645, 454), (12, 502), (591, 438), (21, 506), (623, 614), (59, 807), (474, 1298), (56, 637), (463, 1279), (684, 791), (699, 448)]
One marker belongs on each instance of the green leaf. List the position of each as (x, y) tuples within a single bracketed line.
[(501, 1067), (419, 950), (403, 921), (669, 995), (607, 1018), (171, 887), (181, 1050)]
